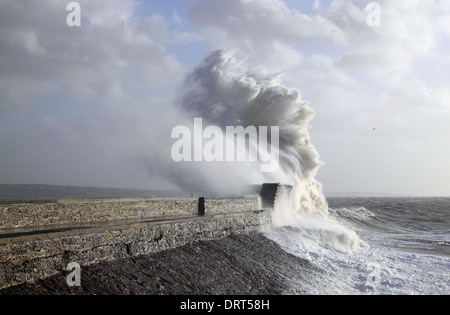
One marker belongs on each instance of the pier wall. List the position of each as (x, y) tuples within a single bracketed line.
[(38, 240), (76, 211)]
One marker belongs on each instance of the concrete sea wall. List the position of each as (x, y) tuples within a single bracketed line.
[(59, 212), (38, 240)]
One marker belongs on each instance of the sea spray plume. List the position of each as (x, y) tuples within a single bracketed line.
[(224, 92)]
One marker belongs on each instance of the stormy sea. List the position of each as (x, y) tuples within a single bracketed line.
[(398, 246)]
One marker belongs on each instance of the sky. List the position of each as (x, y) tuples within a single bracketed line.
[(92, 105)]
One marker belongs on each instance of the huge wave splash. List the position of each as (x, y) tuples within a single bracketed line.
[(224, 91)]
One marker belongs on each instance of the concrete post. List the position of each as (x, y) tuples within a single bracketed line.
[(270, 192), (201, 207)]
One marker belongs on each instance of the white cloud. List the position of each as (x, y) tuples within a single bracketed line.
[(393, 77), (263, 26), (77, 105), (88, 91), (110, 46)]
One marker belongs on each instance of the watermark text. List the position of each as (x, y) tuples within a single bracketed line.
[(74, 17), (236, 144), (74, 278), (374, 17)]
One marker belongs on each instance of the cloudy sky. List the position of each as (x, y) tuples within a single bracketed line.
[(91, 105)]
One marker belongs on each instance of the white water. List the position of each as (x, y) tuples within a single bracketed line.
[(376, 266), (312, 227)]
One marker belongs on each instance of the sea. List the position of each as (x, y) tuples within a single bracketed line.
[(375, 246)]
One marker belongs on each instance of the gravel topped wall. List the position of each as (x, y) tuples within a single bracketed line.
[(78, 211)]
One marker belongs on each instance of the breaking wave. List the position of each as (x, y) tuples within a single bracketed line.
[(225, 92)]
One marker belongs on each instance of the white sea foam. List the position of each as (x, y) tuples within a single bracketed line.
[(385, 263)]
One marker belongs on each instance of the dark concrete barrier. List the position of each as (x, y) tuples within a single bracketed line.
[(270, 192)]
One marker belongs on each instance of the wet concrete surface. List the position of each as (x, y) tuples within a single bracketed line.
[(236, 265)]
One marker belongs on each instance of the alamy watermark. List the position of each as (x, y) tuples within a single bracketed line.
[(235, 144), (74, 278), (74, 17), (374, 17)]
